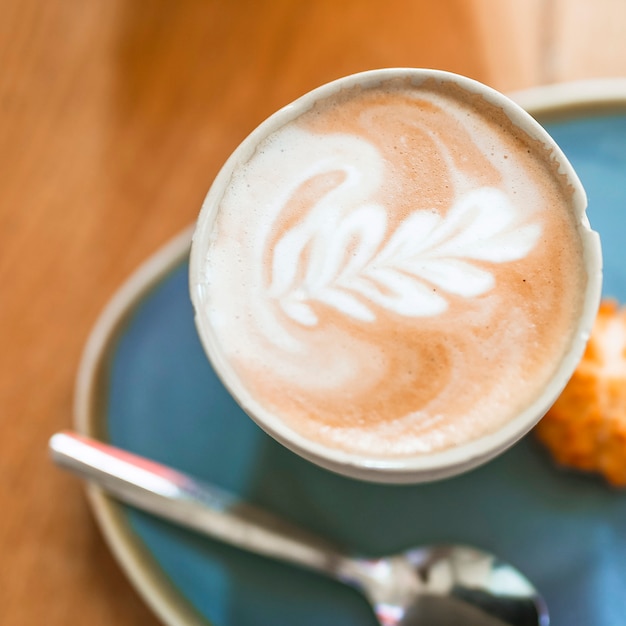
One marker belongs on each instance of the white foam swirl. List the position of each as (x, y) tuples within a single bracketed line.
[(341, 254)]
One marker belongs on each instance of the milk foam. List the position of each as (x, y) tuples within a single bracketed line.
[(310, 261), (390, 275)]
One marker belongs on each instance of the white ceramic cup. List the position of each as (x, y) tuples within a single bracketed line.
[(418, 467)]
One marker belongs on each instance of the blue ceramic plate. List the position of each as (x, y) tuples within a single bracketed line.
[(145, 385)]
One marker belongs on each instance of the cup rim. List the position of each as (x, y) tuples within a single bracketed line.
[(420, 467)]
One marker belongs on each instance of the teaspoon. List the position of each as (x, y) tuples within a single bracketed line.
[(431, 585)]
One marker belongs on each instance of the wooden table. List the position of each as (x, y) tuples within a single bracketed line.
[(114, 117)]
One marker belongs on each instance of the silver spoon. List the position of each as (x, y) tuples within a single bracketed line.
[(432, 586)]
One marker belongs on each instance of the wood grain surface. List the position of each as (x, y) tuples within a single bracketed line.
[(114, 117)]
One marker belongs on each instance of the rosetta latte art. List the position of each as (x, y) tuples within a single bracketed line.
[(351, 263), (393, 272)]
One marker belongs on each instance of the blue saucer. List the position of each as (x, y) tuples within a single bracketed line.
[(151, 390)]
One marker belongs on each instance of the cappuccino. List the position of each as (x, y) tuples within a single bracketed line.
[(394, 270)]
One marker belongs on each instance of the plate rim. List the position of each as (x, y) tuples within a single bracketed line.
[(159, 594), (574, 96), (153, 586)]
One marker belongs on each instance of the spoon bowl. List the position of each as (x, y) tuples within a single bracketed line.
[(430, 585)]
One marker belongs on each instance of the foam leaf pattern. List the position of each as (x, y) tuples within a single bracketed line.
[(356, 267)]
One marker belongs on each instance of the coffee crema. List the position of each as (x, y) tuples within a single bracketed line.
[(394, 272)]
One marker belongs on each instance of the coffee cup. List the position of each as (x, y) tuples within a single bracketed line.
[(394, 275)]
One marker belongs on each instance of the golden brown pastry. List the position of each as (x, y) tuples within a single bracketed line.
[(586, 427)]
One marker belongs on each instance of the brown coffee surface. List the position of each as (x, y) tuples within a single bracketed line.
[(396, 271)]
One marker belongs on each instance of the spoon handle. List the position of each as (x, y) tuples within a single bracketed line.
[(184, 500)]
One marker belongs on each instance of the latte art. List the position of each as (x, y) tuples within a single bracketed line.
[(425, 250), (395, 271)]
